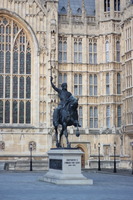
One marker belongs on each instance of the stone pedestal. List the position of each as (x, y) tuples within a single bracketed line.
[(65, 167)]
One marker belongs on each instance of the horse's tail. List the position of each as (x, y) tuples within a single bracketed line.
[(55, 118)]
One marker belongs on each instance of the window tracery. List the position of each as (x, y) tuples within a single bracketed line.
[(106, 5), (93, 85), (117, 5), (62, 49), (77, 50), (93, 117), (15, 73), (92, 51), (77, 84)]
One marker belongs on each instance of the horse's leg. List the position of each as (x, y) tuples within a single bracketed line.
[(66, 135), (77, 131), (76, 124), (56, 134), (61, 133)]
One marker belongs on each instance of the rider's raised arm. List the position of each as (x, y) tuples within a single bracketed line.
[(53, 86)]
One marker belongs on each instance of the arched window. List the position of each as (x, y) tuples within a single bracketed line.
[(106, 5), (28, 111), (107, 84), (118, 83), (21, 112), (1, 86), (93, 85), (15, 73), (81, 116), (21, 89), (108, 116), (128, 34), (117, 5), (95, 53), (75, 53), (107, 51), (90, 53), (63, 10), (7, 112), (1, 111), (7, 87), (118, 51), (77, 84), (79, 11), (15, 112), (65, 51), (62, 50), (78, 51), (93, 117), (119, 116)]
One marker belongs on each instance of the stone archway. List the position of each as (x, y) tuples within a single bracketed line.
[(85, 149)]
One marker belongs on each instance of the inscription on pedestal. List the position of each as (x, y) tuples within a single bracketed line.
[(55, 164), (72, 162)]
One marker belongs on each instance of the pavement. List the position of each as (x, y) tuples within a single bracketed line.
[(27, 186)]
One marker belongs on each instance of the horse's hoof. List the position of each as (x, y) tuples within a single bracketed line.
[(79, 125), (58, 145), (69, 145), (77, 133)]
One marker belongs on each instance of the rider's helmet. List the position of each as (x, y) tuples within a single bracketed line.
[(64, 85)]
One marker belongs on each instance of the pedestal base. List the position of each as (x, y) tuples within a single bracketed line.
[(65, 168)]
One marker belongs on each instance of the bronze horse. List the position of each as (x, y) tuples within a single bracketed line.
[(68, 116)]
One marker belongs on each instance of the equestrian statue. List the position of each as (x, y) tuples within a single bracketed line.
[(65, 114)]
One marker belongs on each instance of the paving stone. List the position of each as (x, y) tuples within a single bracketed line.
[(27, 186)]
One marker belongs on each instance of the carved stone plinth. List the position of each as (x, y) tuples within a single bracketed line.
[(65, 167)]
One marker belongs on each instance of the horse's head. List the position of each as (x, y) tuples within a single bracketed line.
[(73, 104)]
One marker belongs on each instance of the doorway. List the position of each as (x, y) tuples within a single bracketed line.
[(82, 158)]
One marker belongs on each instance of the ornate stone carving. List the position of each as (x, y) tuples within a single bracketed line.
[(105, 131), (20, 1), (53, 41), (41, 4), (43, 45), (2, 145)]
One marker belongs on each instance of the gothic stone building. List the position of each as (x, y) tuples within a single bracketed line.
[(89, 45)]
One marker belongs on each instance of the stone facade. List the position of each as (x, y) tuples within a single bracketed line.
[(91, 49)]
